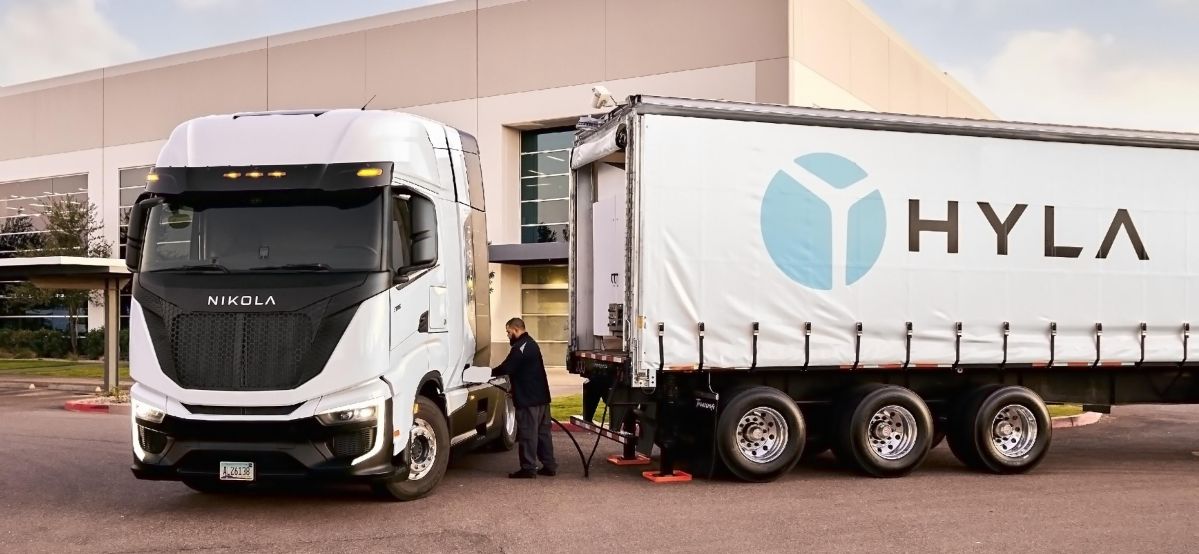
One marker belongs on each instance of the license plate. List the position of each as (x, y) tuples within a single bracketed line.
[(237, 471)]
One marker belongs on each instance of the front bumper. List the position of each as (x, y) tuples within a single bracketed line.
[(181, 448)]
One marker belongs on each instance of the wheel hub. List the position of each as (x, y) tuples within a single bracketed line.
[(422, 450), (1014, 431), (762, 435), (892, 432)]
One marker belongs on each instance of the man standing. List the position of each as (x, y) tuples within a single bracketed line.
[(531, 396)]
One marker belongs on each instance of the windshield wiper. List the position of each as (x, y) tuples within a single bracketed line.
[(294, 267), (195, 267)]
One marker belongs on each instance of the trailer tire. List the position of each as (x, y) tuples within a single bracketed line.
[(428, 454), (759, 434), (883, 430), (507, 439), (961, 425), (1007, 428)]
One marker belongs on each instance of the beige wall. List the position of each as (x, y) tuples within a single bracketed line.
[(511, 65)]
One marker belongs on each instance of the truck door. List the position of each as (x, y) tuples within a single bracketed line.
[(419, 295)]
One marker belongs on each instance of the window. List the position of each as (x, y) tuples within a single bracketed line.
[(133, 183), (21, 232), (413, 232), (545, 307), (544, 185)]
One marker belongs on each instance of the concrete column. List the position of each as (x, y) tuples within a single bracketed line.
[(112, 333)]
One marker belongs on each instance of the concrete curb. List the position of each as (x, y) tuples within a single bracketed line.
[(1085, 418), (67, 387), (90, 406)]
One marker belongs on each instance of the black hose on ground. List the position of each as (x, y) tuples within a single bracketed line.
[(586, 462)]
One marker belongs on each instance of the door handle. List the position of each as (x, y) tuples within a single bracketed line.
[(423, 326)]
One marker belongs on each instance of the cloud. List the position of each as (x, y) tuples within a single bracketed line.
[(1070, 76), (46, 38), (205, 5)]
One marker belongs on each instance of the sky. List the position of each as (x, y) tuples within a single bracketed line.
[(1125, 63)]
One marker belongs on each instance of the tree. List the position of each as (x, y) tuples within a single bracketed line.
[(17, 235), (73, 228)]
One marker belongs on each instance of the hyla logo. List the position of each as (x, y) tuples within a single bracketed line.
[(822, 225)]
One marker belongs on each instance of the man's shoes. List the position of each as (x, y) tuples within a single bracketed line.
[(547, 472), (523, 474)]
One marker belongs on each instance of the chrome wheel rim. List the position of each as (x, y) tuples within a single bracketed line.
[(1014, 431), (892, 432), (509, 418), (762, 435), (422, 450)]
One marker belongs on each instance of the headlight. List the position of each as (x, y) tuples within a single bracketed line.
[(356, 413), (145, 412)]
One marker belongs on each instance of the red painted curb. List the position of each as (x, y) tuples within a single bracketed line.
[(85, 407), (1085, 418)]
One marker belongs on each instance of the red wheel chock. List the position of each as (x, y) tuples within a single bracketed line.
[(639, 460), (658, 478)]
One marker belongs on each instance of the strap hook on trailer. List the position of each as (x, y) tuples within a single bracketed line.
[(1186, 338), (1052, 342), (701, 346), (807, 343), (1098, 343), (1007, 330), (661, 350), (957, 346), (907, 345), (754, 363), (1144, 331), (857, 344)]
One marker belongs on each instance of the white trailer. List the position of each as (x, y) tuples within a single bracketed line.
[(871, 281)]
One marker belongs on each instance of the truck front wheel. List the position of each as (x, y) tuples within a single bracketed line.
[(883, 431), (760, 434), (1001, 429), (428, 455)]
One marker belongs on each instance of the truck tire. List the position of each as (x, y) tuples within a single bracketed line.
[(1004, 429), (960, 429), (759, 434), (883, 430), (507, 439), (428, 453)]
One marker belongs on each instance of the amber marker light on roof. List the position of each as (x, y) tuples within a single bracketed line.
[(232, 175), (254, 174), (276, 174), (151, 178), (370, 172)]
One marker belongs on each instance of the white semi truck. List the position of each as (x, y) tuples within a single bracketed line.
[(311, 301), (757, 283)]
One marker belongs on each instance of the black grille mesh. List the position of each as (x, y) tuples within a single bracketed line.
[(353, 444), (150, 440), (243, 351)]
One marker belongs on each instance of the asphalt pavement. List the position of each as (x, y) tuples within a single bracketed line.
[(1128, 483)]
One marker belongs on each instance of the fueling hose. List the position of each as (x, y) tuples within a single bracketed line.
[(582, 458)]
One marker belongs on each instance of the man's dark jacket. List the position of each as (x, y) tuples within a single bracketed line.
[(526, 370)]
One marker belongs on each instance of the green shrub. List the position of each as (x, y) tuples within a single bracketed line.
[(91, 345), (24, 354), (5, 353)]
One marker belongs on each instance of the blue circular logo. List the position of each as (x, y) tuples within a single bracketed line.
[(828, 233)]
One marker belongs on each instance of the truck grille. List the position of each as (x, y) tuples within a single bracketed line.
[(243, 351), (355, 443)]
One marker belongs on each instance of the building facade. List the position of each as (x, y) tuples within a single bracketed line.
[(517, 74)]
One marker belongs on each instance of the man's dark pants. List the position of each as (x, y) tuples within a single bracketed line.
[(533, 438)]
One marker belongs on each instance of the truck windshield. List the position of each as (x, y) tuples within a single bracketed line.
[(295, 230)]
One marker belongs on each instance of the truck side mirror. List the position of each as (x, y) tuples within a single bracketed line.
[(424, 232), (136, 234)]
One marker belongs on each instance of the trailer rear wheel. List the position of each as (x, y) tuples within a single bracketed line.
[(760, 434), (428, 454), (883, 431), (1003, 429)]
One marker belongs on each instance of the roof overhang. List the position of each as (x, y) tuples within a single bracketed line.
[(64, 272), (529, 254)]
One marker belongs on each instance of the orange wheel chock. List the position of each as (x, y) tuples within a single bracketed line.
[(640, 460), (657, 478)]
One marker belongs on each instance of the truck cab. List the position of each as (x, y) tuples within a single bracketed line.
[(310, 300)]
